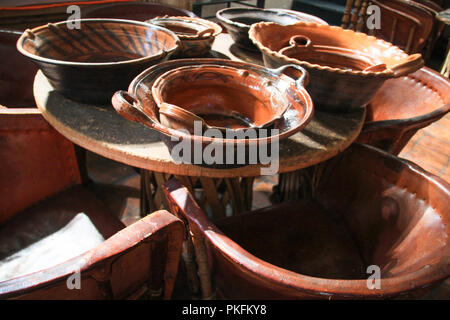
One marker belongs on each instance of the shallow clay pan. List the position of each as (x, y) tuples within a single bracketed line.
[(346, 68)]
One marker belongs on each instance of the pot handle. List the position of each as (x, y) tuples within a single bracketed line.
[(413, 63), (302, 81), (124, 103), (179, 114), (298, 43), (206, 33)]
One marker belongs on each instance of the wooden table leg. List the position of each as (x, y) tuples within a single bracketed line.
[(218, 197)]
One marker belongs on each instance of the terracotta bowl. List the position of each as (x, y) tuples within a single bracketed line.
[(346, 68), (196, 35), (91, 63), (221, 97), (237, 21), (403, 106), (136, 11), (138, 105)]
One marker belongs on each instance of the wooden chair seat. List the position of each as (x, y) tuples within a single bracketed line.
[(53, 231), (369, 208), (404, 105)]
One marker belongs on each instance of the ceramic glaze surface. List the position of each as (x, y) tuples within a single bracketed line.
[(196, 35), (224, 97), (346, 68), (90, 63), (138, 104)]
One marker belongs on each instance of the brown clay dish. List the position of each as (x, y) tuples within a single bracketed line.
[(346, 68), (196, 35), (90, 63), (138, 105), (220, 97), (391, 214)]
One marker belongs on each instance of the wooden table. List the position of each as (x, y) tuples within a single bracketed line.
[(101, 130)]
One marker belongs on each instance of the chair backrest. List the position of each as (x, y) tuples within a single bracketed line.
[(355, 15), (16, 73), (140, 260), (36, 161), (405, 24)]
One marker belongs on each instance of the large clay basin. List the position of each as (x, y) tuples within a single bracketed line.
[(370, 210)]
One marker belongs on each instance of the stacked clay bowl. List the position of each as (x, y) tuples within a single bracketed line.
[(90, 63), (237, 21), (346, 68), (224, 79), (196, 35)]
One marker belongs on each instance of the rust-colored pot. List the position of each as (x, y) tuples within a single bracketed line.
[(371, 212), (196, 35), (90, 63), (138, 105), (221, 97), (346, 68), (404, 105)]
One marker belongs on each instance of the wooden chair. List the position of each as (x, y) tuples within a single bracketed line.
[(403, 23), (402, 107), (368, 208), (52, 229)]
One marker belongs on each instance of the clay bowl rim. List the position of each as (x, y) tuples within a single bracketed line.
[(386, 74), (194, 20), (38, 58), (164, 80), (154, 73), (281, 12)]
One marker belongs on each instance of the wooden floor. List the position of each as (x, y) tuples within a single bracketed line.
[(430, 148), (118, 184)]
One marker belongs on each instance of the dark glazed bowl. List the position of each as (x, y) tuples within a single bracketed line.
[(237, 21), (91, 63), (196, 35), (136, 11), (138, 105), (346, 68)]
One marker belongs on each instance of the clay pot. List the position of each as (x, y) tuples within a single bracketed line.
[(371, 211), (90, 63), (346, 68), (237, 21), (137, 11), (221, 97), (138, 105), (196, 35), (404, 105)]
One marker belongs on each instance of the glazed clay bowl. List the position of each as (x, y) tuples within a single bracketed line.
[(90, 63), (237, 21), (221, 97), (137, 11), (196, 35), (138, 105), (346, 68)]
